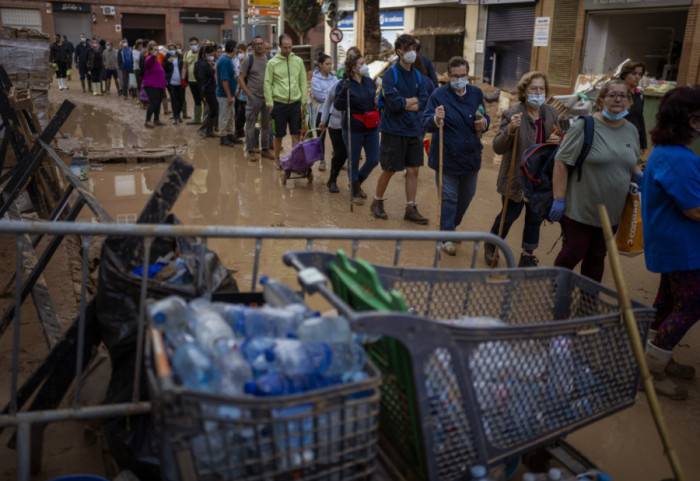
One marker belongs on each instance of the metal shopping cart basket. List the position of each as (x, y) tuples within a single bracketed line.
[(561, 360), (302, 158), (328, 433)]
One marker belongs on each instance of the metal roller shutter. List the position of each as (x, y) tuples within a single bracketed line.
[(201, 31), (21, 17), (560, 68), (72, 25), (509, 35)]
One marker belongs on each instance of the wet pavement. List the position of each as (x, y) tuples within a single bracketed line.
[(227, 189)]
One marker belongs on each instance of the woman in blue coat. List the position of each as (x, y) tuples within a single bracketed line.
[(455, 106)]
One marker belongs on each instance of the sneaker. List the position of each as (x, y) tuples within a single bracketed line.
[(528, 261), (322, 166), (449, 248), (251, 156), (489, 253), (278, 165), (377, 208), (149, 124), (333, 187), (225, 141), (232, 138), (413, 215), (158, 122), (265, 153)]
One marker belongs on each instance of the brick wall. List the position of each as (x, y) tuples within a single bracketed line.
[(689, 68)]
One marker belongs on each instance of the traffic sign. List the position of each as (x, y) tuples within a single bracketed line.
[(264, 3), (336, 35), (270, 12)]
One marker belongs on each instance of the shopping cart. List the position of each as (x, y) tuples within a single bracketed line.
[(302, 158), (560, 359)]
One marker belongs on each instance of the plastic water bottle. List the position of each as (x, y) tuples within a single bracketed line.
[(207, 325), (235, 370), (553, 474), (276, 384), (479, 473), (325, 329), (263, 322), (256, 351), (167, 314), (561, 366), (192, 365), (278, 294), (292, 357), (297, 435)]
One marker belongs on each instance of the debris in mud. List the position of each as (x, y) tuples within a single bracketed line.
[(125, 155)]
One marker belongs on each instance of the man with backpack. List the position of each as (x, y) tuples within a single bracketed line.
[(251, 80), (401, 147)]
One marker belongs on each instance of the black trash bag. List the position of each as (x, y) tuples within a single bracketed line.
[(117, 299)]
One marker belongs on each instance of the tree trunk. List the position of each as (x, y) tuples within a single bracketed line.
[(373, 35)]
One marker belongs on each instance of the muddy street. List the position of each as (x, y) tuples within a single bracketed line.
[(227, 189)]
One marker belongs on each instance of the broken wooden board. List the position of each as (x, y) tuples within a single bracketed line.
[(126, 155)]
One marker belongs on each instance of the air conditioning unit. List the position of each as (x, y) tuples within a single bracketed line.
[(108, 11)]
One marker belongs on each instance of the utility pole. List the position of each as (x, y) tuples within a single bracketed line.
[(280, 23)]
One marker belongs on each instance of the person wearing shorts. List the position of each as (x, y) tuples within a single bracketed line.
[(401, 146), (285, 93)]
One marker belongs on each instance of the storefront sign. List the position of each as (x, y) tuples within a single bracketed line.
[(347, 5), (70, 7), (541, 35), (621, 4), (391, 19), (414, 3), (348, 22), (191, 17)]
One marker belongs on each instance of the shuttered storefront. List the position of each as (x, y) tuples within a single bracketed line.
[(562, 43), (441, 33), (72, 24), (509, 33), (143, 26)]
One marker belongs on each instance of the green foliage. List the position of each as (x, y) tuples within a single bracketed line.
[(302, 15)]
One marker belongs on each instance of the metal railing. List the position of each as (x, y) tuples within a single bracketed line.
[(13, 416)]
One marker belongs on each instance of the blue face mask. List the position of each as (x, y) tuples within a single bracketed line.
[(108, 47), (171, 52), (613, 117), (536, 100), (459, 83), (193, 48)]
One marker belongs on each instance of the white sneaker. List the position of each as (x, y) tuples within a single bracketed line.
[(449, 248)]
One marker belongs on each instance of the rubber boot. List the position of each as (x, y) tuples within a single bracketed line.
[(96, 89), (657, 360), (82, 84), (197, 116), (184, 113), (108, 85), (673, 368), (90, 89)]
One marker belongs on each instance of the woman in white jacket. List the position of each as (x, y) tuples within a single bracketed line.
[(321, 82), (332, 119)]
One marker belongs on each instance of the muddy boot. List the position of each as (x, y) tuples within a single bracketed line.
[(197, 116), (377, 209), (184, 111), (658, 359), (413, 215), (356, 197), (82, 84), (362, 192), (108, 85)]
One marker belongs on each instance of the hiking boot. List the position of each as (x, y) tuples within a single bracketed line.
[(251, 156), (266, 154), (413, 215), (528, 261), (377, 208), (489, 253), (449, 248), (322, 166)]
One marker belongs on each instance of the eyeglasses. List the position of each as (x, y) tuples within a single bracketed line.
[(617, 96)]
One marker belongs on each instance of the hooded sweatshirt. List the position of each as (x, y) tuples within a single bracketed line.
[(320, 88), (285, 80)]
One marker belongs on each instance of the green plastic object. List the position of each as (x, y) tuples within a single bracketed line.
[(399, 419)]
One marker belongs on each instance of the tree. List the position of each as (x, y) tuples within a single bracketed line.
[(302, 15), (373, 35)]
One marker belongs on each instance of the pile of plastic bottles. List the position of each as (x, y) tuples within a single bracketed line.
[(280, 348)]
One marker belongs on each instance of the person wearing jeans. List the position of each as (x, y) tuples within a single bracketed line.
[(172, 64), (154, 84), (251, 80), (455, 107), (536, 123), (362, 132), (226, 83)]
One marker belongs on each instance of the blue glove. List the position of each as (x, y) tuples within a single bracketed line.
[(557, 210), (638, 180)]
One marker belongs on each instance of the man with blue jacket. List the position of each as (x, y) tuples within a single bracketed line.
[(401, 146), (80, 53), (456, 107)]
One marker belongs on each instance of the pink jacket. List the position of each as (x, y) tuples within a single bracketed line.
[(153, 73)]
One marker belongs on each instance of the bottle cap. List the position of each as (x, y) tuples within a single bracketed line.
[(478, 471), (159, 317), (603, 477), (250, 387), (269, 355), (263, 280), (554, 474)]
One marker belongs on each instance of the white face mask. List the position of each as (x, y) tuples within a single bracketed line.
[(241, 56), (459, 83), (409, 57), (364, 70), (210, 58)]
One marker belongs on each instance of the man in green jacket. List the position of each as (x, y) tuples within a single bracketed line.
[(285, 93)]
